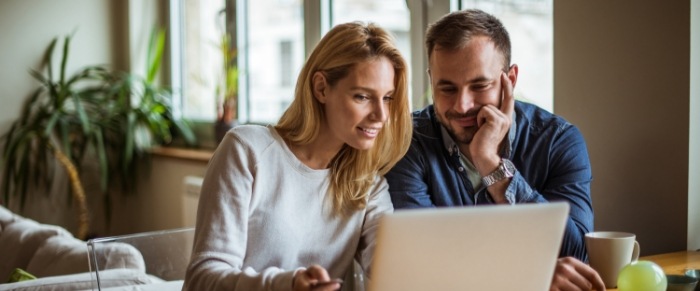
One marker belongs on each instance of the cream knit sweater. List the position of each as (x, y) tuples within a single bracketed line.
[(264, 214)]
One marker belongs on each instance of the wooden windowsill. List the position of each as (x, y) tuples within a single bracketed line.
[(198, 155)]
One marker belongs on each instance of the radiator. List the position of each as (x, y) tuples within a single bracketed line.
[(190, 199)]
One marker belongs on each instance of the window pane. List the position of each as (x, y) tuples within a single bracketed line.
[(529, 23), (204, 28), (274, 54), (392, 15)]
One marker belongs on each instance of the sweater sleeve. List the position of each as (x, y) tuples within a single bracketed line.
[(221, 233), (379, 204)]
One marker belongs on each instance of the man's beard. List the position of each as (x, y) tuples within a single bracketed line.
[(466, 134)]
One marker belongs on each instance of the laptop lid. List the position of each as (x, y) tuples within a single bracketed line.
[(501, 247)]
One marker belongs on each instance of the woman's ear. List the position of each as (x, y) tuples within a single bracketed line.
[(319, 87)]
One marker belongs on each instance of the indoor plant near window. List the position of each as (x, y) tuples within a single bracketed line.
[(94, 114), (227, 90)]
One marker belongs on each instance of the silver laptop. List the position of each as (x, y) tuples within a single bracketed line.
[(500, 247)]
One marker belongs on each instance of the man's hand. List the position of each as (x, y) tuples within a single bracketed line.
[(493, 123), (571, 274), (314, 278)]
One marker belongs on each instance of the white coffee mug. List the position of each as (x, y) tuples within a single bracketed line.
[(609, 252)]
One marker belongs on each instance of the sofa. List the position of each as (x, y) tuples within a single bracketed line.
[(60, 261)]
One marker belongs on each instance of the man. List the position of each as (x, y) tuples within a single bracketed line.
[(477, 145)]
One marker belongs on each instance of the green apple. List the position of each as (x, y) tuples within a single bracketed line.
[(641, 276)]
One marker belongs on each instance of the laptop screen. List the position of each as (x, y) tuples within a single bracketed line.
[(496, 247)]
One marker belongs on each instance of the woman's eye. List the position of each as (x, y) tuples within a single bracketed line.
[(388, 99), (361, 97)]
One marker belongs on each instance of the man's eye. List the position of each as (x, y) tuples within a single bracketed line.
[(480, 87), (448, 90)]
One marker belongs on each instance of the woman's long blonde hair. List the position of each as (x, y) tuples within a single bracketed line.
[(352, 171)]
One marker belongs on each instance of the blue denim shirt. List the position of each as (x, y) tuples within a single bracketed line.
[(549, 153)]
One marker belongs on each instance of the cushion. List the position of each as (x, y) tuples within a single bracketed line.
[(59, 255), (6, 217), (19, 242), (116, 255), (165, 286), (83, 281)]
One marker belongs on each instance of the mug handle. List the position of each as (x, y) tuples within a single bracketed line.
[(635, 252)]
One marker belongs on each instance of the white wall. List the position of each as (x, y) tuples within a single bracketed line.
[(694, 153), (621, 73), (26, 29)]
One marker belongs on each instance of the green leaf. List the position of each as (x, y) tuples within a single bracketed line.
[(64, 137), (39, 77), (64, 59), (31, 102), (155, 54), (52, 123), (84, 120), (102, 159), (129, 140), (186, 131), (46, 60)]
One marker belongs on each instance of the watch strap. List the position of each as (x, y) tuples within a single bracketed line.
[(505, 170)]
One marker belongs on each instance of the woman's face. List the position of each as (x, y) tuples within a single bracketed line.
[(357, 106)]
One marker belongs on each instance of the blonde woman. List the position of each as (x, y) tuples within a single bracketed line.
[(288, 207)]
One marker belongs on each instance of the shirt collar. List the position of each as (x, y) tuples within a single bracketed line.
[(453, 148)]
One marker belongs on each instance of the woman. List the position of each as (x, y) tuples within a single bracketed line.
[(289, 207)]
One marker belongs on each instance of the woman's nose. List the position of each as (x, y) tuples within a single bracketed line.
[(380, 111)]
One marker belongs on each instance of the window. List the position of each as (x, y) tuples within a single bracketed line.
[(529, 23), (272, 53), (392, 15), (274, 36), (202, 31), (286, 63)]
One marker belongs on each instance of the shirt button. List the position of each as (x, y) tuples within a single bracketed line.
[(461, 169)]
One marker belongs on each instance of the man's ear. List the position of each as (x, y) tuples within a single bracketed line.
[(319, 87), (513, 74)]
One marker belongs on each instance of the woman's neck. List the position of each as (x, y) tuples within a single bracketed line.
[(316, 155)]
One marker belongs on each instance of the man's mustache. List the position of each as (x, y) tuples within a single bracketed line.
[(453, 115)]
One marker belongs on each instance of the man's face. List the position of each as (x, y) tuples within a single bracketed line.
[(463, 81)]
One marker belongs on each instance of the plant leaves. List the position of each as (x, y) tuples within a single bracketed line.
[(94, 111), (64, 59), (155, 54), (46, 60), (102, 159), (84, 119)]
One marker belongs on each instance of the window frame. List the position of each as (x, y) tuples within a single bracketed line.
[(317, 21)]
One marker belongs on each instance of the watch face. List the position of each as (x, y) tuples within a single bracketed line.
[(509, 167)]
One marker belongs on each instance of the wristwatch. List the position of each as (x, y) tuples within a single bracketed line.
[(505, 170)]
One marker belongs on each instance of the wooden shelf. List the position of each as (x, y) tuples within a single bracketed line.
[(199, 155)]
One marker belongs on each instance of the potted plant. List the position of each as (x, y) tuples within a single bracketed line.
[(110, 117), (227, 90)]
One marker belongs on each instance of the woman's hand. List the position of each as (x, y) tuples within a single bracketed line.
[(314, 278)]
